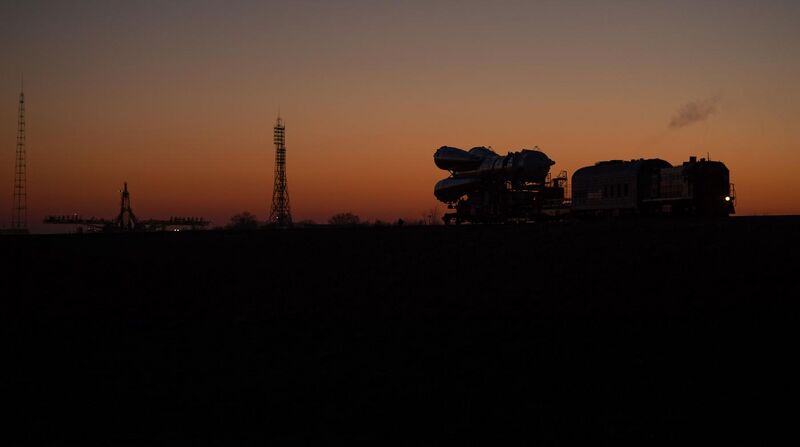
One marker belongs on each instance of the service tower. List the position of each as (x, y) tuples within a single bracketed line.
[(280, 213)]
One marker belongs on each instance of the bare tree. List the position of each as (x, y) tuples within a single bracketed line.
[(243, 221), (344, 219)]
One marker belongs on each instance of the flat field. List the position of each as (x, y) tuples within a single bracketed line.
[(634, 329)]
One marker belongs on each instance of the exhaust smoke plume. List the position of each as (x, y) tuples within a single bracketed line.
[(693, 112)]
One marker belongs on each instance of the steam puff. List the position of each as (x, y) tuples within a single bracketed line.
[(694, 112)]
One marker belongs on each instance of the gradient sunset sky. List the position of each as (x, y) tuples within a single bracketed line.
[(179, 98)]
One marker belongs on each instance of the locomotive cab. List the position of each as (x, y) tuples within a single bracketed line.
[(711, 190), (697, 188)]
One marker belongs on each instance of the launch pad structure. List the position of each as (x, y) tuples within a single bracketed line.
[(126, 220)]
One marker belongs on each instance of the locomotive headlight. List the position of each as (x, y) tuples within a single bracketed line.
[(727, 198)]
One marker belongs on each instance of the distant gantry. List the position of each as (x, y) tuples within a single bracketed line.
[(126, 221)]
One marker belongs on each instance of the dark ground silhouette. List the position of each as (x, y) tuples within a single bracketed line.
[(654, 330)]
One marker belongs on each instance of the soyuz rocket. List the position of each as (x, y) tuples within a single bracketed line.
[(470, 169)]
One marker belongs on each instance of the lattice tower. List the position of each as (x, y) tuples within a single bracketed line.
[(19, 216), (280, 212)]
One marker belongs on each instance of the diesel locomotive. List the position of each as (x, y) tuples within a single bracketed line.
[(653, 187)]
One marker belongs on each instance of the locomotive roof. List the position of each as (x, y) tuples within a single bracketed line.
[(622, 167)]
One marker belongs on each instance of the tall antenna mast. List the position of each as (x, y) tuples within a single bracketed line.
[(280, 212), (19, 216)]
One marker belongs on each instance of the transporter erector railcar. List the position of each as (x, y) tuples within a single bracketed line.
[(485, 187)]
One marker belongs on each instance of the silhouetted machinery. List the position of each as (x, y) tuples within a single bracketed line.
[(489, 188), (485, 187)]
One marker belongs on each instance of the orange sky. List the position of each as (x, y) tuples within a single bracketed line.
[(180, 100)]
